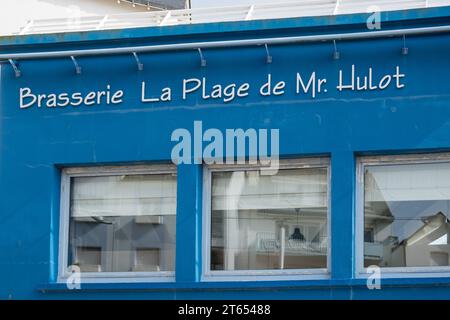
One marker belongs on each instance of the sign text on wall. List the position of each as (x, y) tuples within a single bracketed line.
[(311, 85)]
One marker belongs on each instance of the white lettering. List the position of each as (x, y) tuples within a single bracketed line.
[(25, 93), (187, 90)]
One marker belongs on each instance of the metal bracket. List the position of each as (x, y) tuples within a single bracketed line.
[(405, 49), (336, 53), (77, 67), (17, 71), (140, 65), (202, 58), (268, 56)]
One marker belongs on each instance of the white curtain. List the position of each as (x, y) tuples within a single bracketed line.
[(406, 182), (128, 195), (290, 188)]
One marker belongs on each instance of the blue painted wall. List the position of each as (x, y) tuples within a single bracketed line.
[(36, 142)]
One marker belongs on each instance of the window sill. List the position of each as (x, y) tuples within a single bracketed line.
[(247, 285)]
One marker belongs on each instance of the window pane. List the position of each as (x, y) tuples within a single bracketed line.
[(123, 223), (406, 211), (266, 222)]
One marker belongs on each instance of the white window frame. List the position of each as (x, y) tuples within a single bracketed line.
[(261, 275), (103, 277), (390, 272)]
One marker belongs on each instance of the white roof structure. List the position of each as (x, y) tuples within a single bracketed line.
[(275, 10)]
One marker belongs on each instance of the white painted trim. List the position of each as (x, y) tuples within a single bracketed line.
[(63, 226), (103, 277), (117, 170), (298, 163), (261, 275), (206, 221), (390, 272), (359, 217), (321, 274), (250, 12), (123, 277)]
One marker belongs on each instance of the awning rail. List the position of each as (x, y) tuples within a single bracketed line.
[(199, 46), (227, 43)]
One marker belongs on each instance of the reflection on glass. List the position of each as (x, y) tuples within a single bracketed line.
[(406, 210), (265, 222), (123, 223)]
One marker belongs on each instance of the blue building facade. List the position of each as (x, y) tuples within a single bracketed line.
[(378, 100)]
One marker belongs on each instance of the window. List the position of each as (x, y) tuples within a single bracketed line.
[(405, 201), (257, 224), (119, 222)]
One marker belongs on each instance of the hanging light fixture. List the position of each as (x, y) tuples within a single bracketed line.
[(297, 234)]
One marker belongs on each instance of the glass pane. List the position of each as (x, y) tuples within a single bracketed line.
[(123, 223), (406, 211), (267, 222)]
